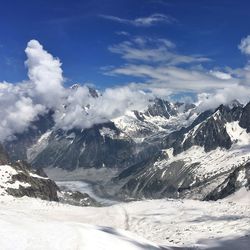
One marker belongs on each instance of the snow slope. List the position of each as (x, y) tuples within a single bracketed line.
[(34, 224)]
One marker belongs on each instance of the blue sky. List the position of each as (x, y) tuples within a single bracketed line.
[(84, 35)]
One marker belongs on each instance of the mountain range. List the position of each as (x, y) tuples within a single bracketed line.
[(166, 150)]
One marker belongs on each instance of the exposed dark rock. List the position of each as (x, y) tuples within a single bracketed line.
[(245, 118), (39, 187), (86, 148), (77, 198), (208, 131), (160, 107)]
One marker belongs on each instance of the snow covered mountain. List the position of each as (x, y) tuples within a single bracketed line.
[(160, 116), (207, 160), (115, 144), (167, 150)]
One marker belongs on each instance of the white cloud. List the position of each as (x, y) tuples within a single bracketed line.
[(122, 33), (221, 75), (142, 21), (21, 103), (153, 50), (160, 69), (223, 96), (83, 111), (174, 78), (45, 73), (17, 109), (244, 45)]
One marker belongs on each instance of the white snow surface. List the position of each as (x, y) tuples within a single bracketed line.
[(238, 134), (107, 132), (241, 196), (30, 224)]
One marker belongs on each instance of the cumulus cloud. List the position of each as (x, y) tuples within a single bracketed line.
[(142, 21), (17, 109), (45, 73), (76, 107), (244, 45), (82, 111)]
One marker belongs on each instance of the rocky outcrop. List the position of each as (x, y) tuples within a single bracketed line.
[(77, 198), (35, 185), (19, 179)]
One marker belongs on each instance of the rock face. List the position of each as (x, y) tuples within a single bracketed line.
[(208, 131), (245, 118), (18, 179), (100, 146), (36, 186), (162, 108)]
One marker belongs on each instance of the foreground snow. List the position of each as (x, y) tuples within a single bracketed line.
[(34, 224)]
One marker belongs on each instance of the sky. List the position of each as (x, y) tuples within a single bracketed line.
[(131, 51), (81, 33)]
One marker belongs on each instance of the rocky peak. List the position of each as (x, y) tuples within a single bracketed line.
[(93, 92), (160, 107), (208, 130), (245, 118)]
